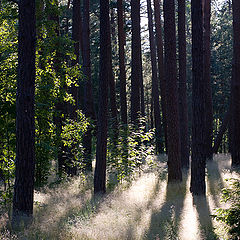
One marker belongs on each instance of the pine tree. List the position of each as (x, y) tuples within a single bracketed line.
[(173, 133), (198, 185), (25, 131)]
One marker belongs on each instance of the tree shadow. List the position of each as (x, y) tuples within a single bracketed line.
[(215, 181), (204, 217), (165, 222), (131, 229)]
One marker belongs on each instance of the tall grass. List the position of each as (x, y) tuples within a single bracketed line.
[(148, 208)]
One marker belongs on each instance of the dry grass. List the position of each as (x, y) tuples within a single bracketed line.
[(147, 209)]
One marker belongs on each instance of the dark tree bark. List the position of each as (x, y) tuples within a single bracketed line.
[(136, 74), (121, 43), (155, 89), (25, 130), (235, 150), (88, 95), (162, 80), (198, 186), (182, 89), (105, 51), (174, 160), (221, 132), (77, 28), (207, 78), (76, 37)]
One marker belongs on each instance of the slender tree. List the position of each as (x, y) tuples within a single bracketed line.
[(174, 160), (162, 80), (113, 102), (182, 89), (121, 43), (88, 95), (235, 149), (136, 75), (25, 131), (155, 88), (198, 186), (207, 78), (105, 51)]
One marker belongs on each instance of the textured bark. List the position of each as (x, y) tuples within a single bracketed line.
[(121, 42), (105, 51), (135, 61), (236, 85), (198, 186), (155, 89), (207, 78), (174, 160), (221, 132), (88, 95), (182, 89), (162, 80), (25, 126)]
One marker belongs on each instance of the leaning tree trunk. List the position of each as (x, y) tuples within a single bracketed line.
[(207, 79), (174, 160), (25, 127), (198, 186), (235, 150), (136, 75), (155, 89), (105, 51), (182, 89), (162, 80)]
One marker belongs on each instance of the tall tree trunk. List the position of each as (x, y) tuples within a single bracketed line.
[(105, 51), (207, 78), (182, 89), (235, 151), (112, 88), (88, 95), (113, 102), (174, 158), (76, 37), (121, 43), (136, 60), (198, 186), (155, 89), (25, 126), (162, 80)]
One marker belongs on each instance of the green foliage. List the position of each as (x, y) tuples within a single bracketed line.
[(8, 69), (133, 150), (72, 134), (231, 215)]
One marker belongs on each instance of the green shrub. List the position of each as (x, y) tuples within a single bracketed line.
[(231, 215)]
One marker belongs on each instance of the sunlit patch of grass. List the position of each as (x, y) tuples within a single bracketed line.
[(147, 208)]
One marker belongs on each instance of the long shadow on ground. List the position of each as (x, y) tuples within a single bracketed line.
[(205, 220), (165, 222)]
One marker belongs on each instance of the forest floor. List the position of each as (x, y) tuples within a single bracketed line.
[(148, 208)]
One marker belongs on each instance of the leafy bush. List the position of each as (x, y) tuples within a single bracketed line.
[(133, 148), (231, 215)]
